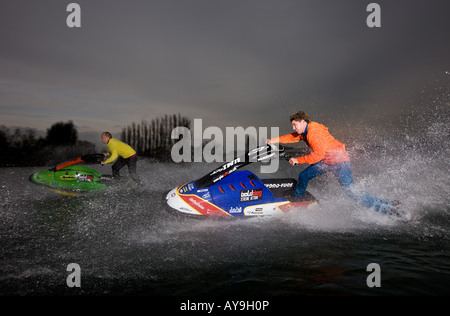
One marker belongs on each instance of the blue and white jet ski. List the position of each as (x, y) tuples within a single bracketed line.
[(227, 191)]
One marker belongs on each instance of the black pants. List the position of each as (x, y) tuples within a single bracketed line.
[(131, 163)]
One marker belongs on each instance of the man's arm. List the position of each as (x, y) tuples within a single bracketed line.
[(113, 157), (286, 139), (318, 149)]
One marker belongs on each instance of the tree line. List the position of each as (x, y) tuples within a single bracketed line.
[(22, 147), (153, 139)]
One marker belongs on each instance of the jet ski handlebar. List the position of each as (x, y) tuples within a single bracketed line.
[(287, 157), (91, 158), (258, 154)]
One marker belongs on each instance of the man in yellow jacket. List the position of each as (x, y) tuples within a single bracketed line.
[(123, 153), (327, 155)]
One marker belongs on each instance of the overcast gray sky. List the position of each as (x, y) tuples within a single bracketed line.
[(230, 62)]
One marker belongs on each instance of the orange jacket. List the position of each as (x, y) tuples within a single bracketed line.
[(323, 146)]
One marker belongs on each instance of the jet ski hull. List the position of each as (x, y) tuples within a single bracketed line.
[(71, 178), (241, 193)]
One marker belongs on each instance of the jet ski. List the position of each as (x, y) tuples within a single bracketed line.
[(69, 176), (227, 191)]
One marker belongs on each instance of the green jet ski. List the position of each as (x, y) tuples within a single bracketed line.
[(69, 176)]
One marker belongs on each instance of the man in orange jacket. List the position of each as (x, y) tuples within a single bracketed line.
[(327, 155)]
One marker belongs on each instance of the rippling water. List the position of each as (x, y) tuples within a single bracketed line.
[(126, 242)]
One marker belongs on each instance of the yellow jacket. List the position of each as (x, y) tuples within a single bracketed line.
[(119, 148)]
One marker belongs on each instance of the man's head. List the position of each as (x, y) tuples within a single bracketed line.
[(299, 121), (300, 116), (106, 136)]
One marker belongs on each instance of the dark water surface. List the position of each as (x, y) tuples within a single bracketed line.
[(127, 243)]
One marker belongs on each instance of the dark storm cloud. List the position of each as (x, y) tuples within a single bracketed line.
[(230, 62)]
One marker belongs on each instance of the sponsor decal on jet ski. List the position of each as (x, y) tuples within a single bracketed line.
[(200, 205), (251, 195)]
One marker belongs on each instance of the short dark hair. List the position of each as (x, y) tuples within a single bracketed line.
[(300, 116)]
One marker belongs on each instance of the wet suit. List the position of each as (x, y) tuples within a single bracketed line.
[(125, 155), (328, 155)]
